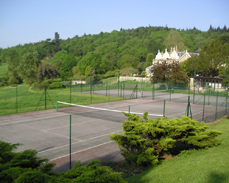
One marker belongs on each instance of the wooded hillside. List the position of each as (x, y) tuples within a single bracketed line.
[(71, 57)]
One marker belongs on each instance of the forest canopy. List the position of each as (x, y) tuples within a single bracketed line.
[(105, 51)]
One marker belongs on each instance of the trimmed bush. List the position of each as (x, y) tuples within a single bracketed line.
[(146, 140), (55, 85)]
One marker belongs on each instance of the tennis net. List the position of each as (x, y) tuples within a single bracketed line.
[(97, 112)]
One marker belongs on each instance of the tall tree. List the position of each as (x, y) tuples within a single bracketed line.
[(28, 67), (13, 61), (174, 39)]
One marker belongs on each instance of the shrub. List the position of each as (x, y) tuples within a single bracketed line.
[(47, 82), (145, 140), (27, 167), (55, 85)]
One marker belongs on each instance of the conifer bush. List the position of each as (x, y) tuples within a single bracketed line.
[(26, 167), (145, 140)]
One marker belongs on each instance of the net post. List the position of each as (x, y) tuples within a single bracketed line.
[(56, 105), (203, 107), (188, 106), (216, 105), (164, 109), (70, 143)]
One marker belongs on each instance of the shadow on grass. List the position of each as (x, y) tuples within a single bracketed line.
[(216, 177)]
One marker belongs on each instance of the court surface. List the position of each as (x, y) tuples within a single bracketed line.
[(48, 131)]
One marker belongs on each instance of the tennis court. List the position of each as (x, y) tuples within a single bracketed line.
[(48, 131)]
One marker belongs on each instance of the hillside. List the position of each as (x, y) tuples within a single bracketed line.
[(130, 46)]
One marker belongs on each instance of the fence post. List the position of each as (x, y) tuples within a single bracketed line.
[(188, 106), (70, 143), (70, 91), (129, 112), (226, 104), (216, 105), (123, 90), (203, 107), (170, 94), (137, 91), (16, 101), (164, 109), (45, 97), (81, 86)]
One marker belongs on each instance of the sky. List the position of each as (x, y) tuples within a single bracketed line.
[(29, 21)]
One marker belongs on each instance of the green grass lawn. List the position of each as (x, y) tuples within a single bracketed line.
[(27, 99), (3, 70), (200, 166)]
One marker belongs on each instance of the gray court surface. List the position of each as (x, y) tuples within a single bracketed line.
[(48, 132)]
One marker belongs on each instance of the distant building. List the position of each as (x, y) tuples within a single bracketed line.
[(170, 57), (173, 55)]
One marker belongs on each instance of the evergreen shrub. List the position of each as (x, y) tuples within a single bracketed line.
[(23, 167), (55, 85), (145, 140)]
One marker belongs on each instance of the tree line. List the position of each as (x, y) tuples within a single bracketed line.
[(127, 48)]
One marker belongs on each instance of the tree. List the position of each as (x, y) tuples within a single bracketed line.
[(145, 140), (212, 56), (64, 62), (28, 67), (13, 61), (99, 63), (127, 71), (75, 71), (149, 60), (128, 60), (68, 62), (169, 72), (175, 39), (46, 71)]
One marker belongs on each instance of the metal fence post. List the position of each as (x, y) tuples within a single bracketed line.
[(216, 105), (70, 91), (16, 100), (45, 97), (203, 107), (164, 109), (70, 143), (226, 104)]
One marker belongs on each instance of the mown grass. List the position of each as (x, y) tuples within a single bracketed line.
[(198, 166), (24, 99)]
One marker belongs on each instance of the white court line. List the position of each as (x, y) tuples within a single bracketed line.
[(48, 132), (83, 150), (31, 119), (107, 109), (79, 141)]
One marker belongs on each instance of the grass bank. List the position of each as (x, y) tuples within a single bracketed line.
[(23, 98), (198, 166)]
